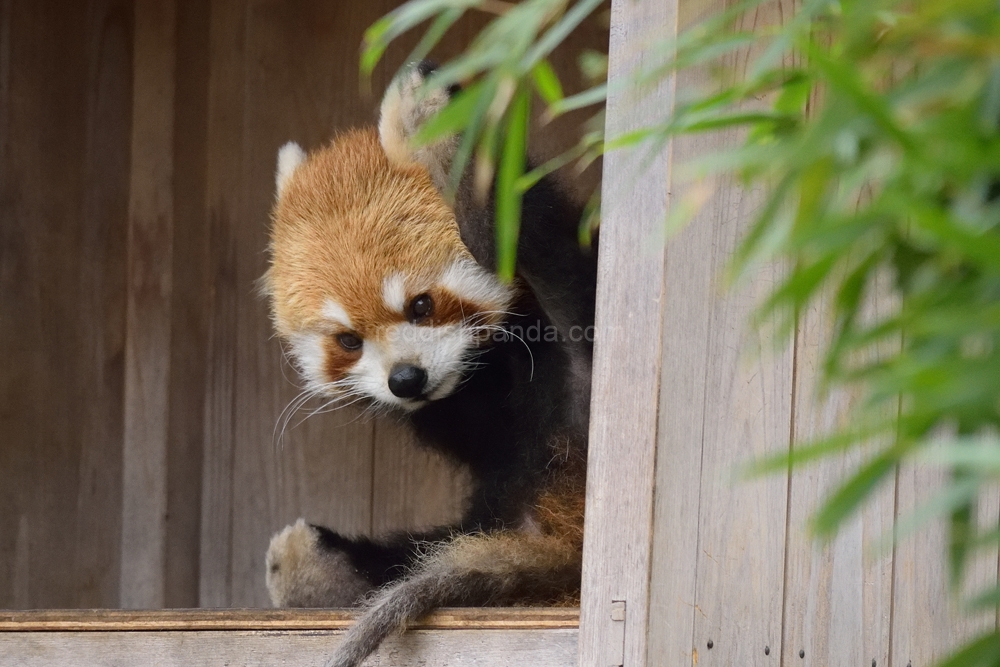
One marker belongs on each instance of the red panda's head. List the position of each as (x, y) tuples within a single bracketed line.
[(370, 284)]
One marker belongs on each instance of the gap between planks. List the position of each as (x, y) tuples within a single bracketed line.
[(104, 620)]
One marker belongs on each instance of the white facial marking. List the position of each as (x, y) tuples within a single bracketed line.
[(442, 352), (334, 312), (394, 292), (370, 374), (290, 157), (445, 352), (307, 348), (471, 282)]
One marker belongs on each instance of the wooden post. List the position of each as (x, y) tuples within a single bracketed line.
[(624, 407)]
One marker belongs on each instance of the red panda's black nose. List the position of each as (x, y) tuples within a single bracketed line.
[(407, 381)]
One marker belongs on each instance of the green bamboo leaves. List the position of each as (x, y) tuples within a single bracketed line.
[(500, 72)]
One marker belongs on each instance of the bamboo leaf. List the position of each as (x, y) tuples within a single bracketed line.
[(547, 82), (435, 33), (846, 500), (512, 163), (558, 33), (982, 652), (596, 95)]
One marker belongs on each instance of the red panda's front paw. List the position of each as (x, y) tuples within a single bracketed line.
[(301, 572)]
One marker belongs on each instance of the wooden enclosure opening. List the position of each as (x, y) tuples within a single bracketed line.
[(144, 457)]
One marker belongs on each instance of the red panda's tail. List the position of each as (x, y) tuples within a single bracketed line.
[(486, 569)]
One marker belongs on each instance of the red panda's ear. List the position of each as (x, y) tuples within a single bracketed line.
[(290, 157), (406, 106)]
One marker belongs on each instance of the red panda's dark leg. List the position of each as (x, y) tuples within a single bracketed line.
[(483, 569)]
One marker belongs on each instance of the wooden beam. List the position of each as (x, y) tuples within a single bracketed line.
[(109, 620), (192, 638), (442, 648)]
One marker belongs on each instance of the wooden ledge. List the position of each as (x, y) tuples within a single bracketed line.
[(115, 620), (267, 637)]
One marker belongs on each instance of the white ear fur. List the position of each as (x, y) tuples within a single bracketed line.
[(290, 157), (405, 107)]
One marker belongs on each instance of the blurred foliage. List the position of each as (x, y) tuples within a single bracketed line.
[(874, 127), (498, 72)]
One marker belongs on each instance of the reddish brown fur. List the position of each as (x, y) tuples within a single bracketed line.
[(338, 360), (449, 309), (346, 218), (558, 511)]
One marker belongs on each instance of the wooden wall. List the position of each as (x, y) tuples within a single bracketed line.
[(140, 387), (713, 570)]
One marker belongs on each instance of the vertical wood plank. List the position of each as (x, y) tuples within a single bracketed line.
[(404, 495), (224, 209), (837, 595), (189, 306), (147, 354), (103, 293), (739, 577), (928, 622), (627, 358), (689, 284), (65, 106), (748, 394), (717, 579)]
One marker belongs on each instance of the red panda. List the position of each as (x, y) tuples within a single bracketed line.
[(386, 294)]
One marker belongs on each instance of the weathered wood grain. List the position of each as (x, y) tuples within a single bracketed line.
[(224, 211), (444, 648), (928, 620), (725, 398), (837, 594), (688, 291), (748, 386), (91, 620), (627, 360), (412, 488), (190, 288), (101, 298), (147, 350), (65, 107)]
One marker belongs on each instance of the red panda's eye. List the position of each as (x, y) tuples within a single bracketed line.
[(349, 341), (421, 307)]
